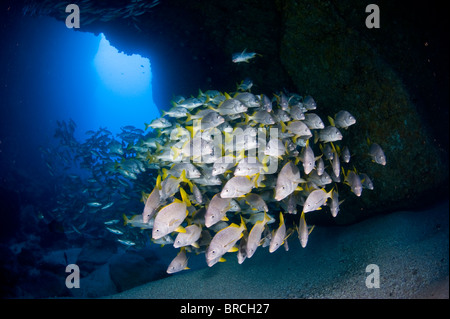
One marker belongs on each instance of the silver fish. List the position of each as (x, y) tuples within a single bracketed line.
[(352, 179), (243, 56), (189, 238), (231, 106), (278, 236), (179, 263), (377, 154), (303, 232), (237, 186), (223, 241), (287, 181), (315, 200), (254, 237), (344, 119), (216, 210), (313, 121), (330, 134)]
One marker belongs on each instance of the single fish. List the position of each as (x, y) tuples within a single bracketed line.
[(125, 242), (170, 217), (303, 232), (366, 181), (352, 179), (224, 241), (278, 236), (217, 210), (309, 103), (287, 181), (189, 238), (377, 154), (315, 200), (344, 119), (330, 134), (179, 263), (254, 237), (313, 121), (334, 204), (238, 186), (159, 123), (243, 56), (231, 106), (275, 148)]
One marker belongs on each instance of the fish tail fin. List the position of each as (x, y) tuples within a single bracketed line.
[(331, 120), (333, 147), (187, 181), (255, 180), (176, 152), (144, 197), (159, 147), (147, 125), (247, 118), (265, 160), (228, 137), (125, 220), (189, 117), (190, 128), (283, 126), (165, 173), (281, 218), (227, 96), (243, 223)]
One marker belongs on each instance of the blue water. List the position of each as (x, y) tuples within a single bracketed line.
[(53, 76)]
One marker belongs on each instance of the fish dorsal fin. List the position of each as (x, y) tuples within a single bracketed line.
[(227, 96)]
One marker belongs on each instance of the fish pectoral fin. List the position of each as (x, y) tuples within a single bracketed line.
[(180, 229), (233, 249), (196, 245), (222, 260), (225, 218)]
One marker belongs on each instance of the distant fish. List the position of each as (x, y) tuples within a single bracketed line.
[(377, 154), (243, 57)]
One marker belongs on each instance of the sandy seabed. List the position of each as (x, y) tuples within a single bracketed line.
[(411, 250)]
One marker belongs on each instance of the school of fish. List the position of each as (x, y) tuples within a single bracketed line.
[(219, 173)]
